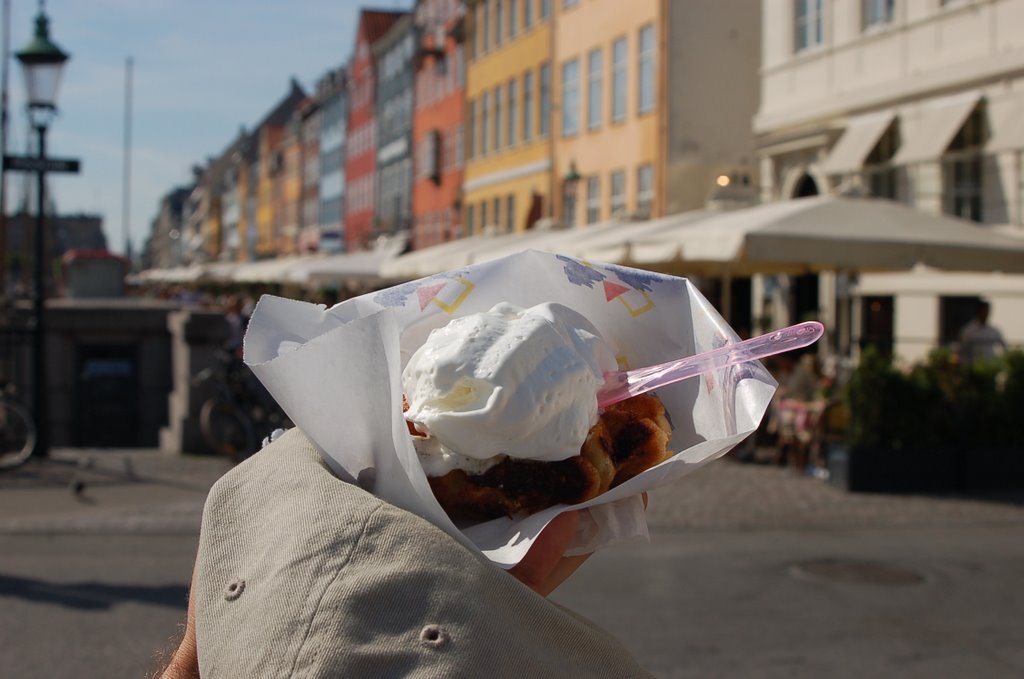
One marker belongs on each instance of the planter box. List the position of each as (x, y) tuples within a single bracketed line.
[(994, 469), (875, 470)]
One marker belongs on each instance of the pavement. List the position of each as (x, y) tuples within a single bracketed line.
[(751, 571), (145, 491), (107, 491)]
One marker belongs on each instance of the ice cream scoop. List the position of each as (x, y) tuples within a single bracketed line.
[(509, 381)]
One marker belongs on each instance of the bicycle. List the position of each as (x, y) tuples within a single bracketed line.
[(17, 431), (240, 412)]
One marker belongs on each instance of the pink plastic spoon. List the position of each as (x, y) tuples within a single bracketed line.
[(622, 384)]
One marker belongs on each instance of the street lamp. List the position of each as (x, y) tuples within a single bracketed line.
[(570, 182), (42, 63)]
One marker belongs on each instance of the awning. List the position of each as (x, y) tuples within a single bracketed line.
[(265, 271), (926, 132), (350, 268), (1006, 120), (861, 135)]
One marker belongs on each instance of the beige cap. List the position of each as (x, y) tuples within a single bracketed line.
[(303, 575)]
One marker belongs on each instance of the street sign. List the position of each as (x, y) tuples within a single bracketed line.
[(36, 164)]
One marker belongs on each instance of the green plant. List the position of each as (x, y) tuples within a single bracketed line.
[(936, 404)]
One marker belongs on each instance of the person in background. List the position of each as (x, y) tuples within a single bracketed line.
[(980, 341)]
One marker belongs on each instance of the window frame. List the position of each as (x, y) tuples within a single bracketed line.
[(619, 90), (595, 89), (646, 79), (571, 97)]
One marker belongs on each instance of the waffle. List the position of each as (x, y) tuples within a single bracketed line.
[(628, 438)]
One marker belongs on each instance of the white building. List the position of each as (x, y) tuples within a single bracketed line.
[(921, 101)]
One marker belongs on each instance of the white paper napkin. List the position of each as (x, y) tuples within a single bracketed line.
[(337, 374)]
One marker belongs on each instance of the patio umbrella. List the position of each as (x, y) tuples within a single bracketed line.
[(827, 234), (362, 266), (820, 234)]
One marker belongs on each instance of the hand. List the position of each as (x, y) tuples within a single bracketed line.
[(185, 661), (545, 567)]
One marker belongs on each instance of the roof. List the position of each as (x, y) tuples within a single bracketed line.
[(376, 22), (283, 109)]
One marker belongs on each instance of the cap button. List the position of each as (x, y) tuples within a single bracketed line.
[(432, 636), (234, 590)]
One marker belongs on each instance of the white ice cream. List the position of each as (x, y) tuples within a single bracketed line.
[(511, 381)]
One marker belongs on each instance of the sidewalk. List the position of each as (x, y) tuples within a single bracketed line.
[(107, 490)]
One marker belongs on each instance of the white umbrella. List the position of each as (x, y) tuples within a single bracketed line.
[(827, 234), (267, 270), (363, 266)]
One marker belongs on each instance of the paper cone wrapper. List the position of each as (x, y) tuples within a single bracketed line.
[(337, 374)]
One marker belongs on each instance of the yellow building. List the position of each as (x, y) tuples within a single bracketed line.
[(654, 100), (508, 143), (606, 127)]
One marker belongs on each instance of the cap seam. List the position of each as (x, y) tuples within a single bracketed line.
[(323, 593)]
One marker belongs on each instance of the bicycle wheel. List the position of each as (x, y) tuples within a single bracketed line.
[(226, 429), (17, 435)]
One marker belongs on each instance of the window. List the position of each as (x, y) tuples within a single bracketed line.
[(470, 128), (645, 69), (594, 89), (617, 204), (483, 214), (568, 205), (619, 80), (527, 105), (497, 213), (510, 206), (809, 23), (528, 13), (499, 23), (512, 7), (545, 9), (570, 97), (593, 199), (545, 99), (876, 12), (645, 189), (498, 112), (485, 118), (485, 25), (479, 30), (962, 169), (512, 117)]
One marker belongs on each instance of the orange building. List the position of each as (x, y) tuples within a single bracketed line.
[(437, 131), (654, 103)]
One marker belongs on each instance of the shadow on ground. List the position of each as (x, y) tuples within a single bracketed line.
[(91, 595)]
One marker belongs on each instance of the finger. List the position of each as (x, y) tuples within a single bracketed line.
[(546, 552), (561, 572)]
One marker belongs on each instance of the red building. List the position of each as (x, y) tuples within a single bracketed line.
[(361, 150), (437, 123)]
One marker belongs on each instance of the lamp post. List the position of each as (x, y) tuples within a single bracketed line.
[(42, 63)]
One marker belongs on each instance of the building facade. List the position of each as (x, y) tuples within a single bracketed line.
[(669, 86), (508, 180), (395, 54), (278, 185), (309, 168), (361, 146), (331, 94), (438, 141), (919, 102)]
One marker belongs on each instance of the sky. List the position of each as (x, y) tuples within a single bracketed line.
[(201, 70)]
